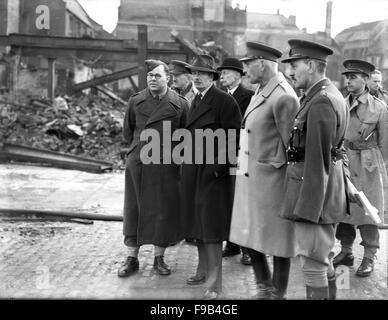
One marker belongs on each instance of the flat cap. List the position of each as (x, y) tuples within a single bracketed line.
[(258, 50), (152, 64), (358, 66), (178, 67), (302, 49)]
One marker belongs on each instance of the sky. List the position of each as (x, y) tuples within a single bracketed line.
[(310, 14)]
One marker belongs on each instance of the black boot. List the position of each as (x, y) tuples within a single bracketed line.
[(161, 267), (281, 272), (313, 293), (262, 274), (245, 258), (366, 267), (230, 250), (343, 258), (332, 287), (130, 266)]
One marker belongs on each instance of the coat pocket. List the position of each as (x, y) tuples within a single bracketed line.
[(294, 179), (369, 160)]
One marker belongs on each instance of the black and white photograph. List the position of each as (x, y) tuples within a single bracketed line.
[(193, 150)]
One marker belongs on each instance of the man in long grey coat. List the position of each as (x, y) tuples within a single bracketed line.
[(366, 143), (151, 202), (262, 166)]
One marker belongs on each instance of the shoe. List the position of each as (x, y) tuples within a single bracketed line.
[(263, 291), (246, 259), (160, 266), (194, 280), (130, 266), (343, 258), (230, 250), (210, 295), (366, 267)]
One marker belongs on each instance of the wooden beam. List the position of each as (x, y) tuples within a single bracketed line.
[(51, 78), (106, 49), (105, 79), (142, 39)]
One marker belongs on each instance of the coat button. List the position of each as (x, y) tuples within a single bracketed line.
[(249, 130), (246, 174), (247, 153)]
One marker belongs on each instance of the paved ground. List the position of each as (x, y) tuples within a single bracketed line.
[(52, 259)]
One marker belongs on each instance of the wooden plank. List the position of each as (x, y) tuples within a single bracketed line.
[(51, 78), (142, 39), (110, 94), (106, 78)]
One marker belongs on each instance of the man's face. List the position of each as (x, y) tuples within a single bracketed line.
[(355, 82), (253, 69), (202, 80), (180, 81), (299, 74), (374, 82), (157, 80), (229, 78)]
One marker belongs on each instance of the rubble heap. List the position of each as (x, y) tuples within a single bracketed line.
[(87, 125)]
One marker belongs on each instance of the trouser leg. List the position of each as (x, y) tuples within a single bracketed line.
[(214, 266), (370, 239), (260, 267), (133, 247), (281, 271), (346, 233), (315, 274), (202, 259)]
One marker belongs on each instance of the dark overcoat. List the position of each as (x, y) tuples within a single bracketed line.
[(151, 202), (243, 97), (207, 189)]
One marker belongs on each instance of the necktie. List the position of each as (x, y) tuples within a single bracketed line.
[(196, 102)]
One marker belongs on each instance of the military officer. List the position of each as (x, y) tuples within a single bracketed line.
[(151, 201), (260, 186), (366, 143), (232, 71), (375, 88), (181, 80), (315, 197)]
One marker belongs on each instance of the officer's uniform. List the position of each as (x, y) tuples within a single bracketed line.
[(178, 67), (315, 180), (366, 143)]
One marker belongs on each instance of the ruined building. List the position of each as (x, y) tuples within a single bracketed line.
[(204, 22)]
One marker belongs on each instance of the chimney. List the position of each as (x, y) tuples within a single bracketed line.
[(278, 12), (329, 9), (292, 19)]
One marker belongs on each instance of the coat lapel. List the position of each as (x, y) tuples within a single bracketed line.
[(165, 109), (203, 107), (312, 92), (259, 97)]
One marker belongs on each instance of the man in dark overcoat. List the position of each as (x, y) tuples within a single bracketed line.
[(232, 71), (207, 186), (151, 202)]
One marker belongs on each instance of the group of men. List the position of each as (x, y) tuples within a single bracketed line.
[(286, 195)]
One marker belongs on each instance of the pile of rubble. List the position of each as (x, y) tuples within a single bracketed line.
[(87, 126)]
